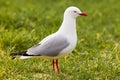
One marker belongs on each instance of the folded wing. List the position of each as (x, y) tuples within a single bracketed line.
[(52, 46)]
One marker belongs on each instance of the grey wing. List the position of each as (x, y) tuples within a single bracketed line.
[(51, 47)]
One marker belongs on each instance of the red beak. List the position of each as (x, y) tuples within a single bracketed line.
[(83, 14)]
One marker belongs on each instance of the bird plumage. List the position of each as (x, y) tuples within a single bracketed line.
[(59, 43)]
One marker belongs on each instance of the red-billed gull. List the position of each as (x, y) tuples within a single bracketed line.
[(59, 43)]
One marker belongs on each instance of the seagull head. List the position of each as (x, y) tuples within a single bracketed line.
[(74, 12)]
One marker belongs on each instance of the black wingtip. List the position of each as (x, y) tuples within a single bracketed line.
[(18, 54), (13, 54)]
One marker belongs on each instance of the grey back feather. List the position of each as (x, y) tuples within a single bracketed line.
[(51, 47)]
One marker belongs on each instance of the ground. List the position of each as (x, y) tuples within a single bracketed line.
[(24, 23)]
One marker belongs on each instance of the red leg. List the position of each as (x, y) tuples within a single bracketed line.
[(53, 65), (57, 66)]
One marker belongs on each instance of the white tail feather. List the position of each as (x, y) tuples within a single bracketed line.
[(25, 57)]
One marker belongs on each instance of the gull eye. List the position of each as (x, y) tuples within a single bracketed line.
[(75, 11)]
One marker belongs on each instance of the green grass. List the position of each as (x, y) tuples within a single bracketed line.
[(24, 23)]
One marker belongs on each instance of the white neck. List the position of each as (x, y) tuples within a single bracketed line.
[(68, 26)]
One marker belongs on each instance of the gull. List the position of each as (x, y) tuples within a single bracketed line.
[(59, 43)]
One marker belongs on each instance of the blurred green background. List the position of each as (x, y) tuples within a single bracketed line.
[(24, 23)]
